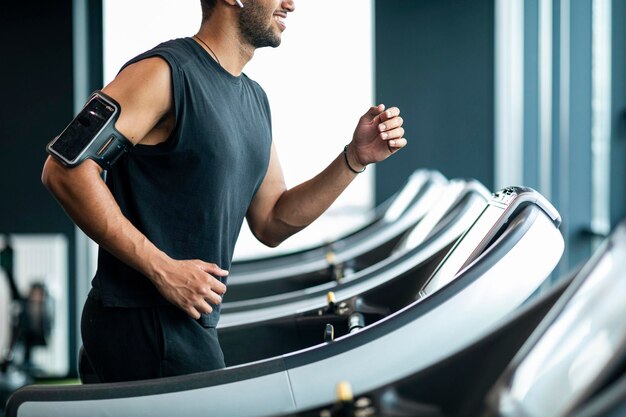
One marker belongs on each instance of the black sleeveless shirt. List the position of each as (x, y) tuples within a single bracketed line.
[(189, 195)]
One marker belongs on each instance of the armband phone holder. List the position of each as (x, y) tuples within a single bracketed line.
[(92, 134)]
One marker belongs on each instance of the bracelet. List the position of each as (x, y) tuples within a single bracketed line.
[(345, 157)]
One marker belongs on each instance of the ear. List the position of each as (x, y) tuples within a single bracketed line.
[(234, 3)]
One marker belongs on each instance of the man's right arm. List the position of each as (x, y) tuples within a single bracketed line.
[(144, 93)]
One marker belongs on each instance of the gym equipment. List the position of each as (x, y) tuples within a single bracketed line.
[(385, 288), (456, 386), (343, 256), (526, 248), (578, 349), (456, 208), (249, 332), (30, 323)]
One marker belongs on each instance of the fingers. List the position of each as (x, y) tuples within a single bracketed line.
[(393, 133), (374, 112), (378, 134), (193, 312), (197, 290), (386, 115), (212, 269), (202, 302), (208, 293), (196, 310), (390, 114), (390, 123), (391, 130), (396, 144)]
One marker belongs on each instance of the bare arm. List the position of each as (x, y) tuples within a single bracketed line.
[(144, 93), (277, 213)]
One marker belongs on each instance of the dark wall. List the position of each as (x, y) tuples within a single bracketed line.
[(37, 91), (435, 60)]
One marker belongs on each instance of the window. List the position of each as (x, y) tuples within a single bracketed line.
[(319, 82)]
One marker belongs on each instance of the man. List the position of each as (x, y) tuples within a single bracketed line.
[(169, 213)]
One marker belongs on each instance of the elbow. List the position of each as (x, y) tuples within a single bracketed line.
[(277, 234), (58, 179), (267, 238), (50, 177), (272, 243), (269, 241)]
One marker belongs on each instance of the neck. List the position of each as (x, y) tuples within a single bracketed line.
[(224, 43)]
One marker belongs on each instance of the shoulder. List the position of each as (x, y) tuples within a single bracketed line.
[(253, 84), (144, 90), (256, 88), (155, 68), (152, 72), (175, 53)]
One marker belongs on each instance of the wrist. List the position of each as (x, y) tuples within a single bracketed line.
[(351, 159), (157, 267)]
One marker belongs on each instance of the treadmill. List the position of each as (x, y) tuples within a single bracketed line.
[(455, 386), (574, 364), (251, 330), (334, 261), (522, 248), (260, 328), (458, 204)]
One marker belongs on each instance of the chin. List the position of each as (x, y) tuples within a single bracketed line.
[(272, 43)]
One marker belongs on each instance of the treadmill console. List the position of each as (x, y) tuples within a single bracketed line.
[(502, 207), (514, 198)]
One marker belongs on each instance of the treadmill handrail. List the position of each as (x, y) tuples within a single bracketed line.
[(469, 195), (360, 283)]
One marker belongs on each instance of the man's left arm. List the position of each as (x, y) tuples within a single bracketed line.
[(277, 212)]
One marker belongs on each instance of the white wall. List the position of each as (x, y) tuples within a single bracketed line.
[(319, 82)]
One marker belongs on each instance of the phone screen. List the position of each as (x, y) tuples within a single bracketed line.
[(79, 134)]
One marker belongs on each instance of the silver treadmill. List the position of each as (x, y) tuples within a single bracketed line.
[(456, 386), (271, 326), (577, 349), (523, 248), (457, 207), (331, 262)]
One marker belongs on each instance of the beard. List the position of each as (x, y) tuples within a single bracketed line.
[(254, 28)]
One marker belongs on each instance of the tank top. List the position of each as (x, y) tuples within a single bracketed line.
[(189, 195)]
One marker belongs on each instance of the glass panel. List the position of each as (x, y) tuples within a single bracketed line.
[(318, 82)]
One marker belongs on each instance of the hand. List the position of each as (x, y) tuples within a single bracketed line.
[(378, 134), (191, 286)]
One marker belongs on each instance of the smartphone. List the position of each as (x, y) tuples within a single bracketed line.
[(72, 145)]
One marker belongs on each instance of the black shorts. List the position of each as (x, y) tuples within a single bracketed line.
[(126, 344)]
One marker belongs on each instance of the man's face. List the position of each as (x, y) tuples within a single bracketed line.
[(261, 22)]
